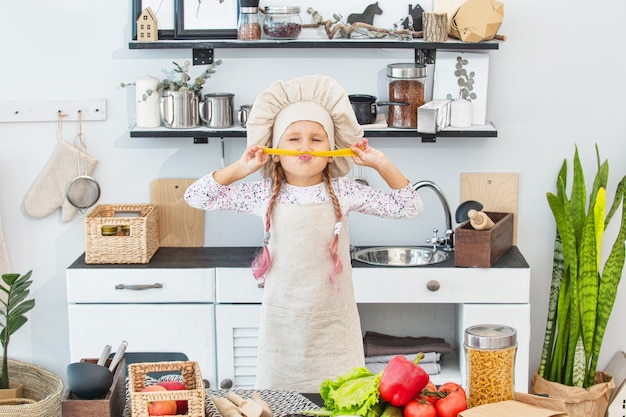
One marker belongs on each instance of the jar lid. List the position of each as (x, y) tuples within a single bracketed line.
[(248, 3), (490, 336), (282, 10), (406, 70)]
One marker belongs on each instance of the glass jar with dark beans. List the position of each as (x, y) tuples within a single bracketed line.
[(282, 22)]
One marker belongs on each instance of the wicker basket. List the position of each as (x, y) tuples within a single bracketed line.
[(137, 247), (42, 392), (191, 377)]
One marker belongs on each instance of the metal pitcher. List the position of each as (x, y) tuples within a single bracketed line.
[(216, 110), (179, 109), (242, 114)]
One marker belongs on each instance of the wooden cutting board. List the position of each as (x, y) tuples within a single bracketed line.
[(496, 191), (180, 225)]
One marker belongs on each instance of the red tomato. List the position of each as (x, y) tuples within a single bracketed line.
[(429, 393), (416, 408), (451, 405), (451, 387)]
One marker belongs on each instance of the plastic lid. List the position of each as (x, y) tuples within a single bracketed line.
[(406, 70), (282, 10), (490, 336)]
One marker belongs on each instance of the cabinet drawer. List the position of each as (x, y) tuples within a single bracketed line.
[(441, 285), (236, 285), (151, 285)]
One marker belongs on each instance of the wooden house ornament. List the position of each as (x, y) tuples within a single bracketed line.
[(147, 27)]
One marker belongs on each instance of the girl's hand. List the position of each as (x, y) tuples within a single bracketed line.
[(252, 160), (366, 155)]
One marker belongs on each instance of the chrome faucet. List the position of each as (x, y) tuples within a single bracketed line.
[(446, 242)]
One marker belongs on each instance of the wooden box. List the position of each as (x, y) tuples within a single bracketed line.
[(483, 248), (112, 405)]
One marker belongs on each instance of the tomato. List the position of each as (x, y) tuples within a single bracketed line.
[(429, 393), (452, 404), (451, 387), (416, 408)]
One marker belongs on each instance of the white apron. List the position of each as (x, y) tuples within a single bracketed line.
[(310, 329)]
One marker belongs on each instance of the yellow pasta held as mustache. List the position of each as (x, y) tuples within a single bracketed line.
[(338, 152)]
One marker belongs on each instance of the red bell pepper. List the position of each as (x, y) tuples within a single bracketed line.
[(402, 380)]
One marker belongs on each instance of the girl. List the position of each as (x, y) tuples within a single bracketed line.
[(309, 328)]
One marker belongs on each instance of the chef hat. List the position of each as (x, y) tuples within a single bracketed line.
[(317, 98)]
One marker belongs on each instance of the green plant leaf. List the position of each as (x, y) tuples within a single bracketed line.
[(588, 274)]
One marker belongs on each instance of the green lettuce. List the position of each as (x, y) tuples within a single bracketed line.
[(353, 393)]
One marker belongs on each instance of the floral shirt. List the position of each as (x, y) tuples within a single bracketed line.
[(253, 197)]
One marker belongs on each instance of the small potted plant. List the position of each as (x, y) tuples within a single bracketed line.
[(14, 307), (583, 291)]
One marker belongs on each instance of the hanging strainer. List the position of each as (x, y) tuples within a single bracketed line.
[(83, 191)]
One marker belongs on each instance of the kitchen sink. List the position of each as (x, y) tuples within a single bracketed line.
[(401, 256)]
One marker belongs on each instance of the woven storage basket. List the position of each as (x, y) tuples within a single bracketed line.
[(136, 248), (42, 391), (191, 377)]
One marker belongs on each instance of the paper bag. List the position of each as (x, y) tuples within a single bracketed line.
[(477, 20), (580, 402), (524, 405)]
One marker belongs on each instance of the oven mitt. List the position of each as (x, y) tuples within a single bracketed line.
[(48, 191)]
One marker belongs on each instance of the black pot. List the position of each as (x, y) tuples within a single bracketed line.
[(364, 107)]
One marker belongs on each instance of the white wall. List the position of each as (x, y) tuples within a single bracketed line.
[(557, 81)]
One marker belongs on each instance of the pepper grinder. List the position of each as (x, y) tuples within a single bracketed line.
[(248, 27)]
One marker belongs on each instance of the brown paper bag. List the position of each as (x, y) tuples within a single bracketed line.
[(525, 405), (580, 402), (477, 20)]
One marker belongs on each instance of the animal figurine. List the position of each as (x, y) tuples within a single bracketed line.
[(414, 18), (367, 16)]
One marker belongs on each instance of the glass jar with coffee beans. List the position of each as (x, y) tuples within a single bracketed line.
[(406, 87), (282, 22)]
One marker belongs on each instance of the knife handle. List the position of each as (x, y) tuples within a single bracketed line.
[(118, 356)]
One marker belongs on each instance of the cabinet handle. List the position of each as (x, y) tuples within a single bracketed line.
[(433, 285), (138, 287)]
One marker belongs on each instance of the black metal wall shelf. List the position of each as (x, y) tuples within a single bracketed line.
[(314, 43), (200, 134)]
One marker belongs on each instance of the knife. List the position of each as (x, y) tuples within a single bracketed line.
[(118, 356), (104, 355)]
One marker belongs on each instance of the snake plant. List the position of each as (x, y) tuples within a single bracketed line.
[(583, 291), (14, 306)]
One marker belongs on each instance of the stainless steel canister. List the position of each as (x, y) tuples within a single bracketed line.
[(216, 110), (179, 109)]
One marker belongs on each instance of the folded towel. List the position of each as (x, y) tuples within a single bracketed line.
[(429, 357), (431, 368), (375, 344)]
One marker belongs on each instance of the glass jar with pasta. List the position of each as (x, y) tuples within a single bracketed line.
[(490, 358)]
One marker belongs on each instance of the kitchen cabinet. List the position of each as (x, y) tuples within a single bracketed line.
[(154, 310), (209, 307), (203, 53), (398, 301), (237, 312)]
